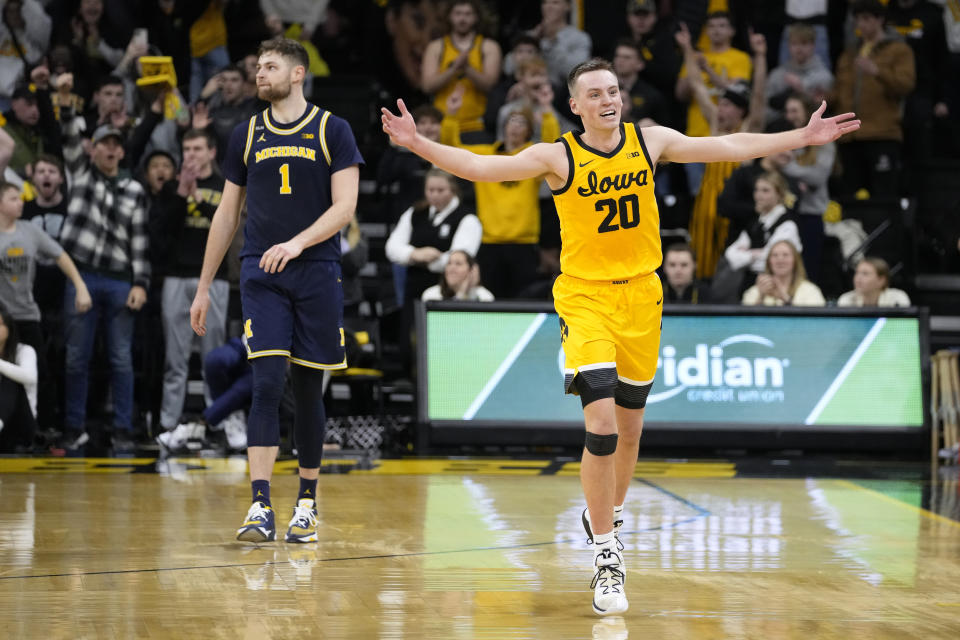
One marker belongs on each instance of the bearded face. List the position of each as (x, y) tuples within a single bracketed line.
[(274, 77)]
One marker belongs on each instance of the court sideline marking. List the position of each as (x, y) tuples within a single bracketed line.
[(876, 494)]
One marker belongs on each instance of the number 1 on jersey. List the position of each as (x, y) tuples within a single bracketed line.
[(285, 179)]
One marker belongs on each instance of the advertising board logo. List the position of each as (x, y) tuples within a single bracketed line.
[(716, 374)]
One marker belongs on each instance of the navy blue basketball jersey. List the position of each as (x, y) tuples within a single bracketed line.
[(286, 170)]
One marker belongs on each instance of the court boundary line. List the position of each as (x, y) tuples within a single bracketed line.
[(700, 513), (924, 512)]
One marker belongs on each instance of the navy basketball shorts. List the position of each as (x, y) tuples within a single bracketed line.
[(297, 313)]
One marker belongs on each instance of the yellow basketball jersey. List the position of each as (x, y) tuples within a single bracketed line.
[(609, 223), (474, 105)]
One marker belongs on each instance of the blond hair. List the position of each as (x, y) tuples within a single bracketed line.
[(777, 181), (799, 274), (801, 32)]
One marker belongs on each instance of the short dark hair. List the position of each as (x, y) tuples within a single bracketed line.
[(427, 111), (525, 38), (108, 81), (193, 134), (474, 4), (593, 64), (159, 153), (235, 67), (287, 48), (632, 44), (681, 247), (873, 7), (719, 14), (47, 158), (7, 186)]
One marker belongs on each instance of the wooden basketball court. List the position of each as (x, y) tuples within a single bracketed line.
[(469, 549)]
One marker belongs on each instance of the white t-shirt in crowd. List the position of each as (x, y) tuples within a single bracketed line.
[(477, 294), (888, 298)]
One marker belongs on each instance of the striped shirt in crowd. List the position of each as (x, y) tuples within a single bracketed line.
[(105, 230)]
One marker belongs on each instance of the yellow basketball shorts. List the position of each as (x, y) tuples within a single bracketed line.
[(610, 331)]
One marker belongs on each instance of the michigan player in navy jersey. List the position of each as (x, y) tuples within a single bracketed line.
[(298, 167), (608, 295)]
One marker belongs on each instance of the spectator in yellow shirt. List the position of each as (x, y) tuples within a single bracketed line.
[(720, 66), (208, 47), (509, 211)]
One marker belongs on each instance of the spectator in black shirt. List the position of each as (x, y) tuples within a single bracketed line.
[(400, 178), (736, 200), (654, 37), (224, 105), (646, 104), (108, 106), (186, 209), (400, 173), (679, 266), (160, 167), (47, 210)]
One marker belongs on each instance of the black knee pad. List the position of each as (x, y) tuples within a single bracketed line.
[(601, 445), (631, 396), (595, 384), (263, 422)]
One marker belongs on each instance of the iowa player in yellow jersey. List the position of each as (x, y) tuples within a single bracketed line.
[(608, 296)]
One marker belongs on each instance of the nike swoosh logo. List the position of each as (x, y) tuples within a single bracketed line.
[(659, 301), (583, 164)]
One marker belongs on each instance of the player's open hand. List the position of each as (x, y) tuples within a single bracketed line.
[(276, 257), (401, 129), (198, 311), (823, 130)]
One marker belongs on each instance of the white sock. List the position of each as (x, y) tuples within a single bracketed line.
[(603, 540)]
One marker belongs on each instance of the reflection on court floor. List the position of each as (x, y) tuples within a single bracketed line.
[(462, 553)]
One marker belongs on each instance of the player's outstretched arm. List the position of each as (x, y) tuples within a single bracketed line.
[(671, 146), (537, 160), (225, 222)]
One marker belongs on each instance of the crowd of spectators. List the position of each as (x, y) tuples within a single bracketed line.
[(113, 170)]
